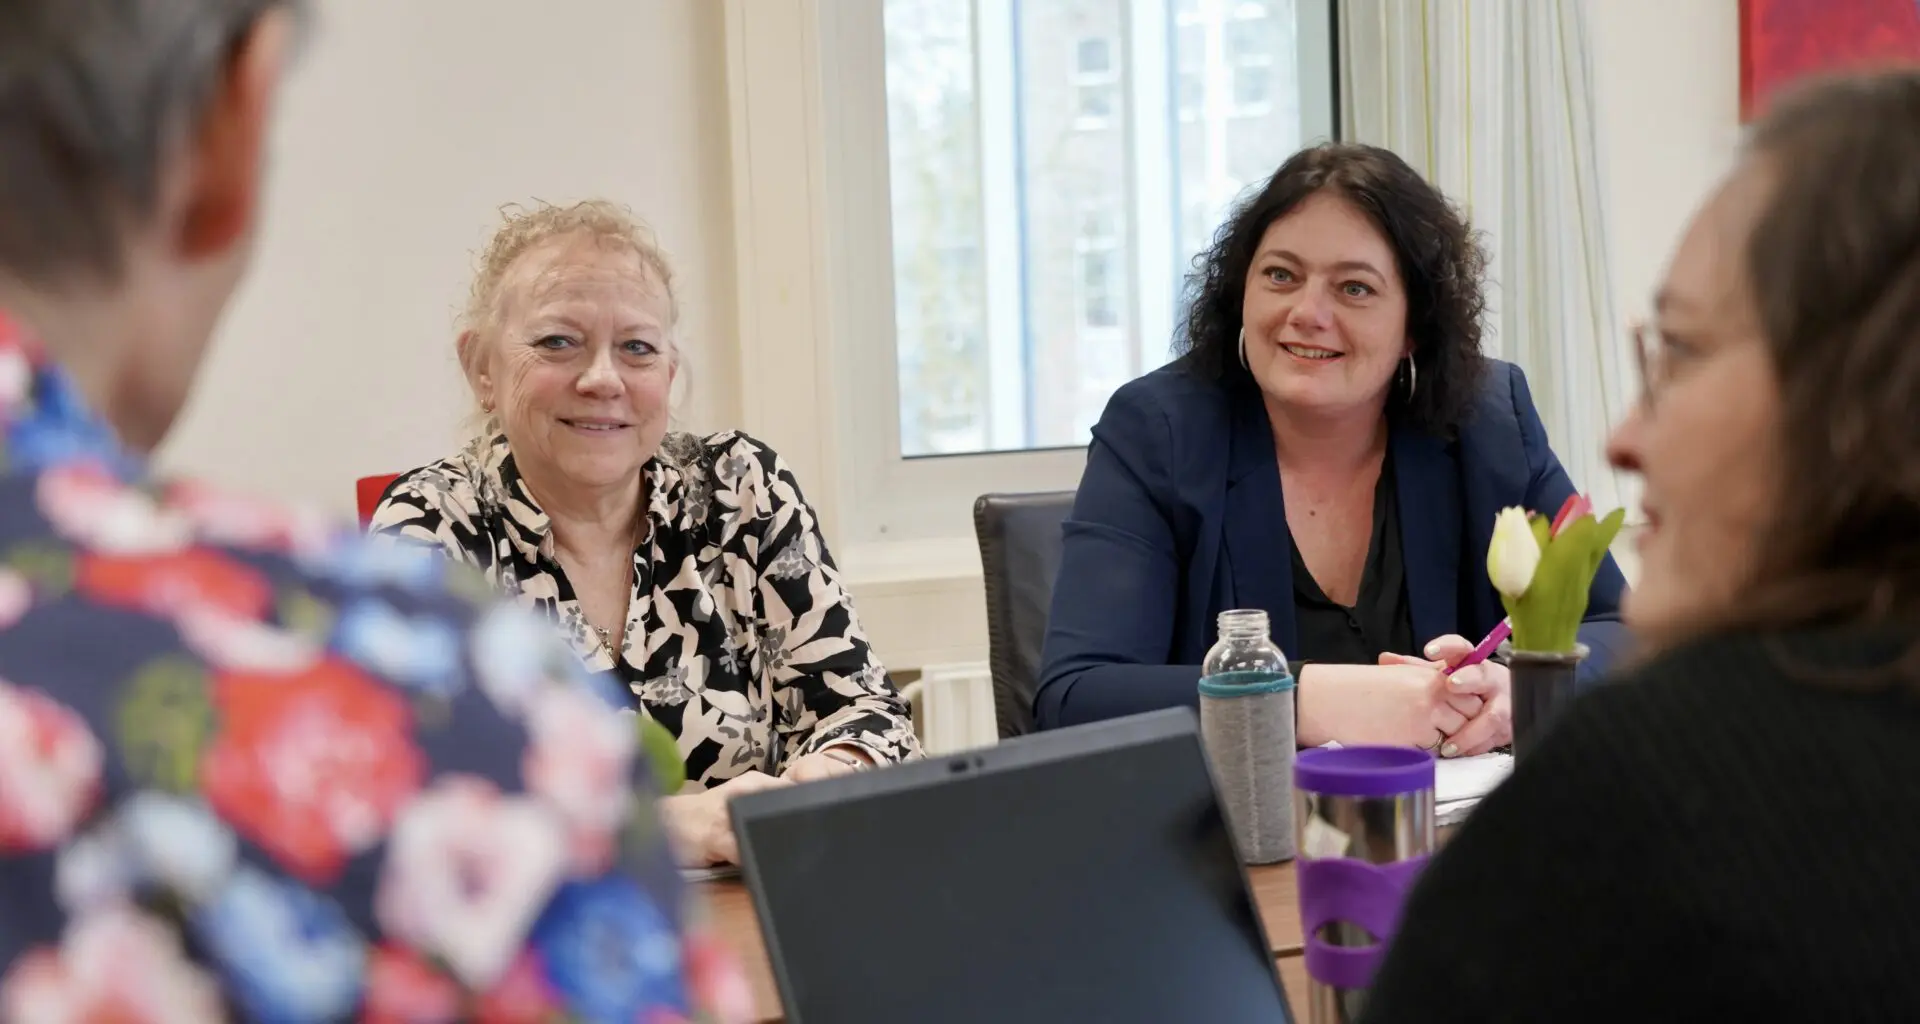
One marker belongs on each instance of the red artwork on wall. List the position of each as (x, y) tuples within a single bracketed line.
[(1781, 40)]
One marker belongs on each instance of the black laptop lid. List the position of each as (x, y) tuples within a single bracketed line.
[(1080, 875)]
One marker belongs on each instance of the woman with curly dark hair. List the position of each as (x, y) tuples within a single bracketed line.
[(1331, 447)]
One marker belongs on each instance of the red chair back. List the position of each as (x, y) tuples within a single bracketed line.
[(368, 490)]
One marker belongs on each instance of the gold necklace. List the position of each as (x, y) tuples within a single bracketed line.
[(606, 635)]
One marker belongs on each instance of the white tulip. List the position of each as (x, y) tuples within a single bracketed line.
[(1514, 554)]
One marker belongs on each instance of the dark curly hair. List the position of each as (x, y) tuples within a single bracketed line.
[(1440, 259)]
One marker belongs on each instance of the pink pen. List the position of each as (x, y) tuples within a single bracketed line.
[(1485, 648)]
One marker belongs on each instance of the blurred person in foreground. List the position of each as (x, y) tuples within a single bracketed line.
[(1730, 831), (252, 767)]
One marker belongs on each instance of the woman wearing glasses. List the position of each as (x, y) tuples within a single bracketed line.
[(1729, 832), (1332, 448)]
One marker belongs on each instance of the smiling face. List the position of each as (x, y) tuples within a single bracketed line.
[(1324, 310), (577, 363)]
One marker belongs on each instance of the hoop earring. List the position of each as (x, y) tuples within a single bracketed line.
[(1413, 377), (1243, 349)]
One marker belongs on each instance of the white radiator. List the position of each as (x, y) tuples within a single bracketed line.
[(955, 705)]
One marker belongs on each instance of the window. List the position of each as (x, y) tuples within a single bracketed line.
[(1102, 276), (1039, 131), (1095, 57), (1190, 67), (1193, 95), (1012, 194), (1096, 84), (1251, 46), (1197, 225)]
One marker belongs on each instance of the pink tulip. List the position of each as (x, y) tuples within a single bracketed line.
[(1576, 505)]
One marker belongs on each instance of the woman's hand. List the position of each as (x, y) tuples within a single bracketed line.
[(1491, 683), (825, 764), (1407, 704), (1464, 703), (697, 823)]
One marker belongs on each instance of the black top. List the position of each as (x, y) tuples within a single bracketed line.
[(1379, 620), (1718, 836)]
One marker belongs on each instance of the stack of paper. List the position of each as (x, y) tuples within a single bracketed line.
[(1460, 782)]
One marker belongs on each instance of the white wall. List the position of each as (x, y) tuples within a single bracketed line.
[(406, 125), (1667, 74), (1668, 77)]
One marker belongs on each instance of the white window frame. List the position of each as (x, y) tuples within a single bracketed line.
[(817, 355)]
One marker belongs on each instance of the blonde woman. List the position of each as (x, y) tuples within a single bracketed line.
[(690, 567)]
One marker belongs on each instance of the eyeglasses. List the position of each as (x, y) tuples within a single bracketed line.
[(1649, 359)]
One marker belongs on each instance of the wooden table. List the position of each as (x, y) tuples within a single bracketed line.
[(1274, 893)]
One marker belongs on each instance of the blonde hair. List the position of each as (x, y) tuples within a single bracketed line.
[(599, 221)]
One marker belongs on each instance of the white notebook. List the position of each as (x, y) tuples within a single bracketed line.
[(1460, 782), (1469, 778)]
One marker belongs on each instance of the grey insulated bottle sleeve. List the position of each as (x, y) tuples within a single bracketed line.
[(1249, 737)]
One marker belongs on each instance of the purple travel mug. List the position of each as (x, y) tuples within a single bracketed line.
[(1366, 823)]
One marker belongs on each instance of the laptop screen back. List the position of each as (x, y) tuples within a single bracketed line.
[(1080, 875)]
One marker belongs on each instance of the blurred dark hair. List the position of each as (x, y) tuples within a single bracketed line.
[(92, 92), (1440, 260), (1834, 270)]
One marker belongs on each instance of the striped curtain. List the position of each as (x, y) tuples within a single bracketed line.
[(1493, 100)]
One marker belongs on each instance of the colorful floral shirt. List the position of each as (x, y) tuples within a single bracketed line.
[(740, 636), (253, 767)]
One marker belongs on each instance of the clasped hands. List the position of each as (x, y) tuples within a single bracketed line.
[(1472, 709), (697, 823), (1410, 701)]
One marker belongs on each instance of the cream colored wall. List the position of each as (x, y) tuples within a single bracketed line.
[(1667, 74), (407, 124), (1668, 77)]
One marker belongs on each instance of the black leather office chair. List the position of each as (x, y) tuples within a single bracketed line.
[(1019, 556)]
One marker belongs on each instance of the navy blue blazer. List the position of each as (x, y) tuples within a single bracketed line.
[(1179, 517)]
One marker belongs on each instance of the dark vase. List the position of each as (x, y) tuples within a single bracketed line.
[(1542, 688)]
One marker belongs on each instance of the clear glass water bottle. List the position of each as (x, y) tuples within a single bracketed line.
[(1246, 721), (1245, 653)]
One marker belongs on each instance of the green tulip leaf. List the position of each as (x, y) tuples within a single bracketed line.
[(663, 756), (1548, 616)]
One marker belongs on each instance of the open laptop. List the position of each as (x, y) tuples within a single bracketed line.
[(1079, 875)]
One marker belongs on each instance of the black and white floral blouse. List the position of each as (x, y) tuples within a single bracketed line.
[(740, 637)]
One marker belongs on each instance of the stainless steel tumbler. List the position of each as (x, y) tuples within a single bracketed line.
[(1366, 823)]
